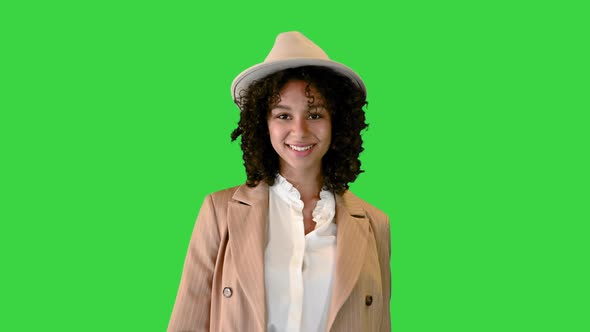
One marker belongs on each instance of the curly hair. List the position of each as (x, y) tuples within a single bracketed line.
[(345, 101)]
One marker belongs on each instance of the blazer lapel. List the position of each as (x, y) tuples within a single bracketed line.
[(247, 224), (351, 244)]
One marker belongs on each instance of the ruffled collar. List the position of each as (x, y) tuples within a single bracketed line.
[(325, 208)]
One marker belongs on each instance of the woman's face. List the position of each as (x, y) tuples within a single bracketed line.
[(299, 132)]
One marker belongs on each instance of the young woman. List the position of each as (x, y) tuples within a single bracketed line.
[(292, 249)]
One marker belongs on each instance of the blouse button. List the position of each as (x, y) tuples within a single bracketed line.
[(227, 292), (368, 300)]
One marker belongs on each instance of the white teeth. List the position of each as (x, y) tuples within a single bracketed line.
[(300, 148)]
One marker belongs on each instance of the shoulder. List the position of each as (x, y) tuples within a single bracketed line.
[(242, 193), (224, 194), (370, 210)]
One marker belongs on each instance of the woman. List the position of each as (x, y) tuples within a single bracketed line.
[(292, 249)]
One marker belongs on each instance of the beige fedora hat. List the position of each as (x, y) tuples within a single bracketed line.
[(291, 49)]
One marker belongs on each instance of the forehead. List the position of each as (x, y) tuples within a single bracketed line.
[(299, 91)]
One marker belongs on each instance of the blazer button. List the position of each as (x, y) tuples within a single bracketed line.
[(227, 292), (368, 300)]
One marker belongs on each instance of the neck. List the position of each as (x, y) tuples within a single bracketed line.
[(309, 184)]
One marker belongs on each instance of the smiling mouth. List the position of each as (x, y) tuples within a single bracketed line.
[(301, 148)]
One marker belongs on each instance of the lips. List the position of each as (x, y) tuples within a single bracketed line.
[(300, 148)]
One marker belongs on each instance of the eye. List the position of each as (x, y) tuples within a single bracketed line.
[(315, 116), (283, 116)]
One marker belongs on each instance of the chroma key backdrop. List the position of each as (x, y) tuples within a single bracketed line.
[(115, 122)]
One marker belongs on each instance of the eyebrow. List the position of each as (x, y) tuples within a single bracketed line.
[(309, 108)]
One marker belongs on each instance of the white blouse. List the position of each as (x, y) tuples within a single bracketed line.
[(298, 268)]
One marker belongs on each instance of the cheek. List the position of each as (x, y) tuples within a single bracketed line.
[(275, 134), (327, 132)]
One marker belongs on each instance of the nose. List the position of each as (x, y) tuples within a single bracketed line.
[(299, 127)]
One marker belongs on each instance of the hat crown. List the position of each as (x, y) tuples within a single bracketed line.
[(290, 50), (293, 44)]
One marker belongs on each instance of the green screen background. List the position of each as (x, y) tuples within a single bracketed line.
[(115, 120)]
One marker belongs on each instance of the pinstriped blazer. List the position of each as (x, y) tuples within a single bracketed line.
[(222, 284)]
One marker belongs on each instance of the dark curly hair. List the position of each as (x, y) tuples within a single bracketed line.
[(345, 102)]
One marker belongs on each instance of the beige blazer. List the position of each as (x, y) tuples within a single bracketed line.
[(222, 284)]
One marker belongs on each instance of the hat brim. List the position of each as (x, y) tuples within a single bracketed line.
[(245, 78)]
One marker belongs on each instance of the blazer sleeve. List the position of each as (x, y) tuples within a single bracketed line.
[(385, 262), (193, 301)]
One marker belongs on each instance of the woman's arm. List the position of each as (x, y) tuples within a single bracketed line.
[(193, 301), (385, 262)]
